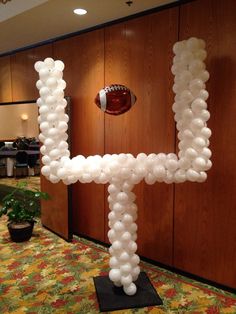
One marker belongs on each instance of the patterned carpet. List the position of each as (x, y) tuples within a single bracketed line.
[(33, 182), (49, 275)]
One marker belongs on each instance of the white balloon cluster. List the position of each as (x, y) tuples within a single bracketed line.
[(123, 234), (123, 171), (52, 118)]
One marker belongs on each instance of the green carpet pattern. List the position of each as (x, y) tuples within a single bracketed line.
[(49, 275)]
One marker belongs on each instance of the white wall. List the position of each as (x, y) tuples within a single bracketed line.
[(12, 125)]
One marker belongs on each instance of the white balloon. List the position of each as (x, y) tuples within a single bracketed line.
[(39, 65), (133, 227), (53, 178), (114, 262), (117, 207), (54, 153), (51, 82), (203, 94), (61, 84), (127, 219), (197, 124), (39, 84), (199, 142), (46, 160), (62, 126), (126, 236), (131, 289), (126, 280), (118, 226), (43, 109), (199, 164), (122, 198), (39, 102), (54, 164), (206, 152), (202, 177), (190, 153), (200, 54), (205, 115), (186, 96), (44, 91), (117, 245), (45, 170), (42, 137), (124, 257), (44, 74), (53, 132), (192, 175), (135, 272), (114, 275), (49, 142), (180, 176), (184, 163), (135, 260), (205, 132), (193, 44), (57, 74), (52, 117), (132, 247), (171, 164), (50, 100), (58, 93), (49, 62), (150, 179), (198, 104), (59, 65), (126, 269), (159, 171), (44, 126), (62, 173)]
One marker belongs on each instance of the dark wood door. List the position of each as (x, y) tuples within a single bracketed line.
[(205, 214), (83, 56), (55, 213), (138, 54), (5, 80)]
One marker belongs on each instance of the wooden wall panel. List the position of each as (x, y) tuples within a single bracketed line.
[(138, 54), (5, 80), (23, 73), (55, 215), (205, 214), (84, 72)]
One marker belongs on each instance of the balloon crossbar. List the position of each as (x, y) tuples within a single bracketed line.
[(123, 171)]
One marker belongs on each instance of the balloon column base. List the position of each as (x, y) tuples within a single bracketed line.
[(111, 298)]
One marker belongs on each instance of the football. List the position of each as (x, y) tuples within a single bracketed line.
[(115, 99)]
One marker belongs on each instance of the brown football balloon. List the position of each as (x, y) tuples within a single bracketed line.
[(115, 99)]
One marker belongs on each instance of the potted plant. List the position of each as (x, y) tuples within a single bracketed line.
[(22, 206)]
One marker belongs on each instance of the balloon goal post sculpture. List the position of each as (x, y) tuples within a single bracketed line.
[(124, 171)]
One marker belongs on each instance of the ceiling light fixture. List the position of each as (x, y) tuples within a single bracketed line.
[(80, 11)]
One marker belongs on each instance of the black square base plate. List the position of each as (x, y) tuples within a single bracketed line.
[(111, 298)]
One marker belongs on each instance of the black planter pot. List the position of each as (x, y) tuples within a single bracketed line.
[(20, 232)]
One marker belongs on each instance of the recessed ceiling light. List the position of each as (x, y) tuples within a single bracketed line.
[(80, 11)]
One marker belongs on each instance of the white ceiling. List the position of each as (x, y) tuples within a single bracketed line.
[(27, 22)]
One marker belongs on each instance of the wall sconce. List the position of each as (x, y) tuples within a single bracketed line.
[(24, 117)]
